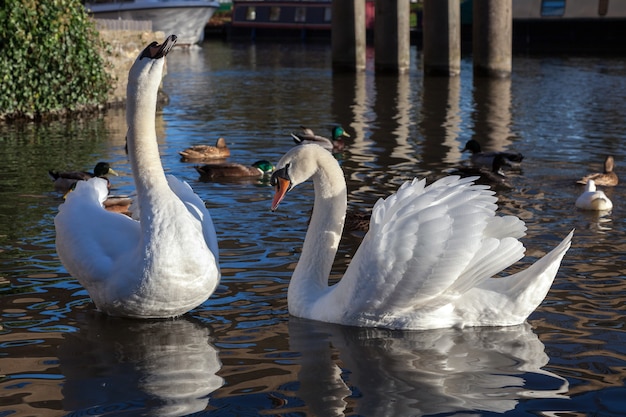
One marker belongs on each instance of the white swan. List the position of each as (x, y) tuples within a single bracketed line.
[(166, 263), (592, 199), (427, 261)]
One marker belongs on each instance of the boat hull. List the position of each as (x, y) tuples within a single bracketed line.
[(185, 19)]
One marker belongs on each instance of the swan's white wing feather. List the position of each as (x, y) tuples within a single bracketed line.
[(90, 239), (513, 298), (422, 248), (198, 209)]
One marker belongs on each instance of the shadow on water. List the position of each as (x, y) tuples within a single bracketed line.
[(240, 353)]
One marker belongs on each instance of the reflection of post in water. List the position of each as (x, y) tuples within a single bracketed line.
[(492, 112), (349, 106), (440, 120), (390, 130), (343, 100), (352, 95), (378, 109)]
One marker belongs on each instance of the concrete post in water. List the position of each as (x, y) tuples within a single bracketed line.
[(492, 37), (348, 35), (442, 37), (392, 35)]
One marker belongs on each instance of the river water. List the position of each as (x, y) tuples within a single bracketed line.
[(240, 353)]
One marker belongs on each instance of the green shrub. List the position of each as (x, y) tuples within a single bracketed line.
[(49, 59)]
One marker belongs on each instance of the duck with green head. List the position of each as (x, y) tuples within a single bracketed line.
[(335, 145), (233, 170), (64, 181), (480, 158), (494, 176)]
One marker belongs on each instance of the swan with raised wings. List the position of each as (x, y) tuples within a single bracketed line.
[(166, 263), (428, 260)]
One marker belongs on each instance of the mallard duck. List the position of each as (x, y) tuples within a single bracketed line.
[(608, 178), (63, 181), (233, 170), (428, 261), (206, 152), (162, 265), (593, 199), (493, 176), (308, 136), (485, 159)]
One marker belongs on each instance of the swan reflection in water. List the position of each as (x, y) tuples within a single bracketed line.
[(122, 367), (398, 373)]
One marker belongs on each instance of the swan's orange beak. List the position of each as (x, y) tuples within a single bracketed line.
[(281, 185)]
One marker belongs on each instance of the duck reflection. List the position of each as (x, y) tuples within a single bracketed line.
[(396, 373), (129, 367)]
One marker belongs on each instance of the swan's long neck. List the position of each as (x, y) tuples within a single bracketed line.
[(141, 138), (310, 278)]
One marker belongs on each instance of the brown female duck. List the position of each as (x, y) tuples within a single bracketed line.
[(607, 178), (206, 152)]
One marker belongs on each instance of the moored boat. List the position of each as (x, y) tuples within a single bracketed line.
[(280, 19), (185, 18)]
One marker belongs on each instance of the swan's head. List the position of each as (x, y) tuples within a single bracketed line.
[(148, 67), (281, 181), (297, 166), (156, 51)]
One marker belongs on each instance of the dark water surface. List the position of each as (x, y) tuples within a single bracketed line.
[(240, 353)]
